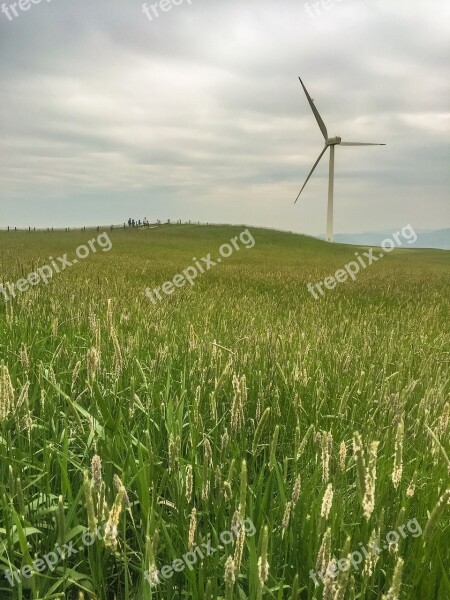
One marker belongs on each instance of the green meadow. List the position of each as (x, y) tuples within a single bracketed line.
[(133, 433)]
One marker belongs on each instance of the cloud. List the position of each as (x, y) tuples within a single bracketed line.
[(199, 113)]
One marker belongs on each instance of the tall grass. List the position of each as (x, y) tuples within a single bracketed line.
[(239, 397)]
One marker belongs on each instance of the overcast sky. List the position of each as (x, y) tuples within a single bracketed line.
[(199, 114)]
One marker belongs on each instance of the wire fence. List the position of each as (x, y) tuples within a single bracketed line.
[(101, 227), (157, 223)]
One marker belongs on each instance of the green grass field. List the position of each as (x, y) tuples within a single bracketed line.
[(236, 398)]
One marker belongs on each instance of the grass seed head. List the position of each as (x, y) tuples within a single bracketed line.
[(119, 486), (230, 577), (286, 518), (225, 438), (324, 554), (394, 590), (263, 565), (23, 358), (76, 372), (192, 528), (372, 559), (343, 576), (189, 483), (153, 574), (398, 456), (111, 526), (411, 490), (109, 313), (92, 363), (237, 408), (96, 472), (370, 481), (90, 507), (296, 489), (23, 398), (302, 443), (239, 548), (330, 587), (342, 456), (326, 443), (208, 451), (236, 521), (192, 338), (327, 502), (6, 393), (436, 514), (174, 451)]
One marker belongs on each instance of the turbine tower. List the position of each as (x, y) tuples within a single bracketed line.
[(329, 143)]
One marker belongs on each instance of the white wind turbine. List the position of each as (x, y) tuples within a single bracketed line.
[(329, 143)]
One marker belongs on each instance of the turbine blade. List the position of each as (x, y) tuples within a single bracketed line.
[(311, 172), (359, 144), (319, 120)]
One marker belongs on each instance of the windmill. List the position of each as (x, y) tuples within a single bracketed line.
[(329, 143)]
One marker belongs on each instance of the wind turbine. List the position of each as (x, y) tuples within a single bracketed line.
[(329, 143)]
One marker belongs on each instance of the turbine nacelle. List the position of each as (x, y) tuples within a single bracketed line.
[(333, 141)]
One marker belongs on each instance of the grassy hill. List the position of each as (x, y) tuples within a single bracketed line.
[(239, 397)]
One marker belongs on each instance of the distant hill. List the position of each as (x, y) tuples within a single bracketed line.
[(439, 239)]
